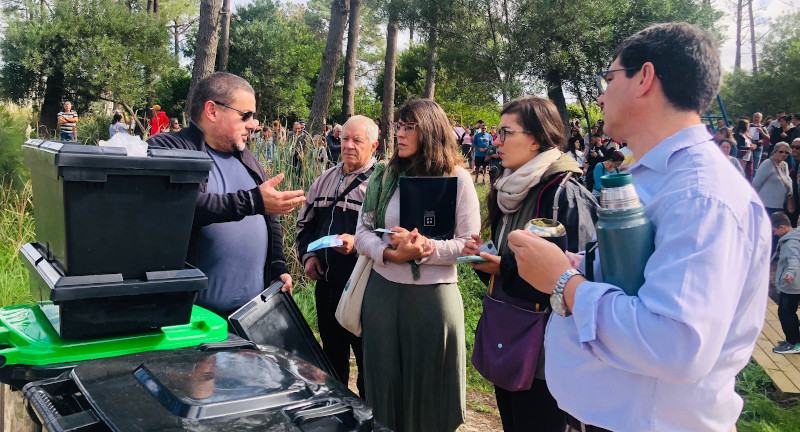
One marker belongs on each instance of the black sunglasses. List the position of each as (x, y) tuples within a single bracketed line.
[(795, 147), (246, 115), (782, 152)]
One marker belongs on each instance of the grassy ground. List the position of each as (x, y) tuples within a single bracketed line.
[(763, 410)]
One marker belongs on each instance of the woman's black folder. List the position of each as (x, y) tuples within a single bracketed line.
[(429, 204)]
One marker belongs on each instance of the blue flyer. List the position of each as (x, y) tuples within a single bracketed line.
[(325, 242)]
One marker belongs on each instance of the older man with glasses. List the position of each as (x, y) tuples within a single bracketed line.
[(236, 239)]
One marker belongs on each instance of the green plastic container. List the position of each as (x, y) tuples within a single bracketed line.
[(28, 338)]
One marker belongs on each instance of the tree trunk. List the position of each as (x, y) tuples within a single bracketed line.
[(737, 62), (353, 31), (752, 36), (330, 62), (556, 94), (430, 72), (224, 36), (156, 6), (411, 33), (390, 63), (149, 6), (51, 105), (206, 46), (583, 107), (176, 37)]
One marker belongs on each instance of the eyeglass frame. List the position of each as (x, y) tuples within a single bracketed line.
[(396, 126), (246, 115), (502, 132), (600, 77)]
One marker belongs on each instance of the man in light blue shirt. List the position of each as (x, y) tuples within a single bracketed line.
[(667, 359)]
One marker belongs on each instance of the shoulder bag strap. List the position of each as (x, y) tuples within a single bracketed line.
[(354, 184)]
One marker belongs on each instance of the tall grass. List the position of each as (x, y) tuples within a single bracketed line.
[(16, 229), (14, 121), (281, 161)]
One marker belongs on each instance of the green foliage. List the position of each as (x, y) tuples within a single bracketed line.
[(14, 122), (366, 103), (16, 229), (278, 54), (172, 87), (93, 125), (576, 111), (103, 49), (776, 85), (761, 413), (456, 91)]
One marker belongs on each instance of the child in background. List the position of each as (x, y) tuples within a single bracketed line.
[(787, 281)]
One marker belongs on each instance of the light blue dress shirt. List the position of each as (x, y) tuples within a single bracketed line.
[(667, 360)]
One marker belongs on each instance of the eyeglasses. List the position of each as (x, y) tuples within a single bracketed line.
[(602, 83), (795, 147), (408, 127), (503, 132), (782, 151), (246, 115)]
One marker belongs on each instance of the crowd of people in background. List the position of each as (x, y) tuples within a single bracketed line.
[(595, 153), (766, 151)]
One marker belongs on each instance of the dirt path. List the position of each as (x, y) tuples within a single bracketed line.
[(482, 414)]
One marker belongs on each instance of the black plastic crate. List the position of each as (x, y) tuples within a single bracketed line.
[(89, 307), (100, 211)]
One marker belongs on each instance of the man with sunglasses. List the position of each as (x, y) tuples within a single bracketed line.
[(667, 358), (236, 239)]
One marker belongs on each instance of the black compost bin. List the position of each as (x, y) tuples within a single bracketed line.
[(88, 307), (100, 211), (228, 389)]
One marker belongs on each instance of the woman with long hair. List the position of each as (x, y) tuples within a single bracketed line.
[(535, 172), (741, 133), (412, 315)]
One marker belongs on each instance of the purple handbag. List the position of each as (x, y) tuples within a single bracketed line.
[(508, 340)]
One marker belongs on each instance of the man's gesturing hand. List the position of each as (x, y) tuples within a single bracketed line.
[(277, 202)]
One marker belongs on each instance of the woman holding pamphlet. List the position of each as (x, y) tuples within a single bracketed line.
[(412, 315), (509, 339)]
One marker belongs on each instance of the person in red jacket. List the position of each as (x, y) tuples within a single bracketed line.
[(159, 122)]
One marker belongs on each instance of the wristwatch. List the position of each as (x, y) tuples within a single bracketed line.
[(557, 298)]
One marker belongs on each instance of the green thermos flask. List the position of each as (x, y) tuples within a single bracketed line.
[(625, 235)]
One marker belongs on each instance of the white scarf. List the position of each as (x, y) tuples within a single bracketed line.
[(513, 187)]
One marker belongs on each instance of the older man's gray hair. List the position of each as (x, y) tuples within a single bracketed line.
[(369, 125)]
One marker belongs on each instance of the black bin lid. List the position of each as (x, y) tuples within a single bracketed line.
[(230, 390), (88, 156)]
